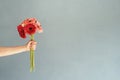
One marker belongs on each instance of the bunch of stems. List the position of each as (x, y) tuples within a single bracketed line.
[(32, 56)]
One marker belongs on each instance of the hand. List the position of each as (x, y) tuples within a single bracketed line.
[(31, 44)]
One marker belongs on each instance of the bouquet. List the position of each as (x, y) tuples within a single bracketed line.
[(29, 27)]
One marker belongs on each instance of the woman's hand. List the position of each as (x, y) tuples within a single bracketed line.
[(31, 44)]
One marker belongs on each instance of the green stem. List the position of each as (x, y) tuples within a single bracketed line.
[(31, 61), (32, 37), (32, 64)]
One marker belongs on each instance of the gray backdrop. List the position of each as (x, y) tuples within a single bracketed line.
[(80, 41)]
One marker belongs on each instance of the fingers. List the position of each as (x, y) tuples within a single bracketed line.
[(31, 45)]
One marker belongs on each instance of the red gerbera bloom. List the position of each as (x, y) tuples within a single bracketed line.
[(39, 28), (30, 29), (32, 21), (29, 21), (21, 31)]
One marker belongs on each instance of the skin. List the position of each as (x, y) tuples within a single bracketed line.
[(6, 51)]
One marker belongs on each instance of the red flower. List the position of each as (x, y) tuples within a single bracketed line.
[(21, 31), (34, 22), (30, 29), (29, 21), (39, 28)]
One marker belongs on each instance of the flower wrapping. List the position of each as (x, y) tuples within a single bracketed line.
[(29, 27)]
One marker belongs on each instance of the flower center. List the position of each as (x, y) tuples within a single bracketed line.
[(30, 28)]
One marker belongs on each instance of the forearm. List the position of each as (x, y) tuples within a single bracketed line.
[(5, 51)]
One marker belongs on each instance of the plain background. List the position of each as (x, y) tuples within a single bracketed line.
[(81, 39)]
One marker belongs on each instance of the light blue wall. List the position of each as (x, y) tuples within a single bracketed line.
[(81, 39)]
